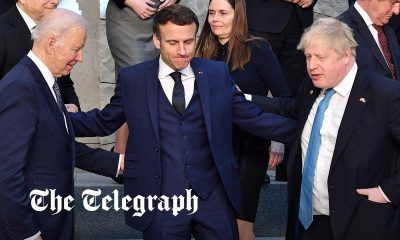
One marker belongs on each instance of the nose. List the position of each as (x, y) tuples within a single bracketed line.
[(396, 8), (311, 64), (182, 49), (215, 17), (79, 56)]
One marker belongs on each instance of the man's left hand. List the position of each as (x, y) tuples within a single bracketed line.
[(373, 194), (305, 3), (166, 3), (71, 108)]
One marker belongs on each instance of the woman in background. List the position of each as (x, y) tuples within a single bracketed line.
[(256, 71)]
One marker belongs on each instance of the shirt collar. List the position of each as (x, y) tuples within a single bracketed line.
[(48, 76), (165, 70), (344, 87), (28, 20), (363, 14)]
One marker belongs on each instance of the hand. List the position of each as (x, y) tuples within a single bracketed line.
[(71, 108), (122, 165), (142, 7), (275, 159), (39, 238), (166, 3), (305, 3), (373, 194), (276, 154), (292, 1)]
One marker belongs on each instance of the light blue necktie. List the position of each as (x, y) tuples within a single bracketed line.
[(310, 162)]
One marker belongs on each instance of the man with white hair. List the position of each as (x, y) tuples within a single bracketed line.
[(343, 174), (378, 47), (16, 26), (38, 148)]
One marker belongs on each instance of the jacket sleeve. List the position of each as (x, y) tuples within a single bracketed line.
[(98, 160), (101, 122), (391, 186), (18, 119)]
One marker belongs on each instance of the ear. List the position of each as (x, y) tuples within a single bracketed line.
[(347, 56), (50, 45), (156, 41)]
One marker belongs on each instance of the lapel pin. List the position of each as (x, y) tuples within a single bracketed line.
[(200, 72), (363, 100), (311, 92)]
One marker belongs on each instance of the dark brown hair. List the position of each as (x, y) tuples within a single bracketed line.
[(239, 49), (177, 14)]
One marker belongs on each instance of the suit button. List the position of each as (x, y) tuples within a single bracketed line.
[(157, 176), (156, 149), (333, 211), (187, 152), (332, 186), (185, 137)]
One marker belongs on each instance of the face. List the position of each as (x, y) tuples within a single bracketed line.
[(325, 67), (67, 51), (36, 9), (220, 18), (380, 11), (177, 44)]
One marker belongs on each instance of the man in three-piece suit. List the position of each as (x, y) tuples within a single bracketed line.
[(378, 47), (180, 111), (38, 148), (16, 26), (343, 170)]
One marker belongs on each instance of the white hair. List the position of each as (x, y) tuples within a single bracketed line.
[(337, 34), (56, 23)]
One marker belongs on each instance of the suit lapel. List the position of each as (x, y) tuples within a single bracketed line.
[(44, 87), (356, 104), (22, 29), (364, 31), (204, 92), (152, 95)]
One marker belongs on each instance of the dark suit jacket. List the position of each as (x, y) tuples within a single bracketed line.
[(136, 102), (38, 153), (365, 156), (5, 5), (15, 43), (369, 55), (272, 16)]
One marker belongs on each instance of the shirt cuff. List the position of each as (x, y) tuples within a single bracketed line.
[(34, 236), (119, 172), (383, 194), (248, 97), (277, 147)]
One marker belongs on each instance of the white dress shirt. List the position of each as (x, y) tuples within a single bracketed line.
[(28, 20), (167, 83), (369, 23), (329, 130), (48, 76)]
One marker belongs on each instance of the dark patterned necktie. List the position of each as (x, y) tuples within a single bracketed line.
[(178, 95), (59, 100), (385, 49)]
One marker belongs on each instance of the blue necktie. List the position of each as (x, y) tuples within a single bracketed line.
[(310, 162)]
